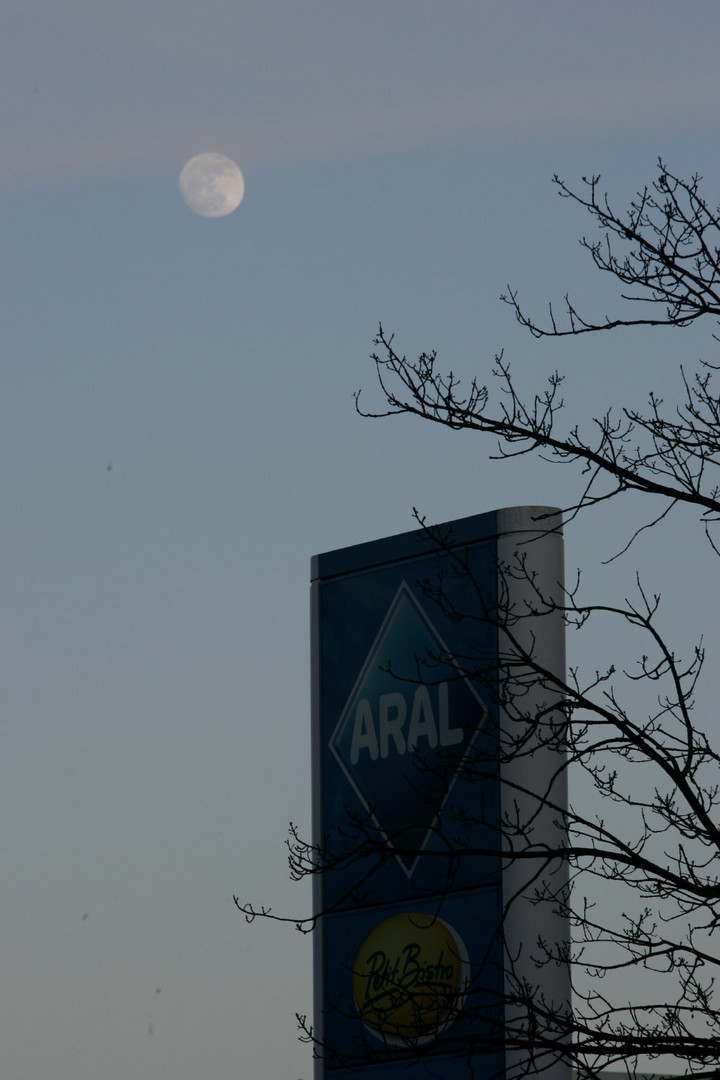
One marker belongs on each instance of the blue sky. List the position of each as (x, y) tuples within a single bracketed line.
[(179, 437)]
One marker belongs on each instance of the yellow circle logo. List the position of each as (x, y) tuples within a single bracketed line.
[(409, 978)]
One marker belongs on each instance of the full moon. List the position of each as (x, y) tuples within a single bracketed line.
[(212, 185)]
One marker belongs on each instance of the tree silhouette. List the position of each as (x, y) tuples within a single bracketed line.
[(635, 864)]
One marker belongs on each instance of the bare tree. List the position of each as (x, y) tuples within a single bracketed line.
[(642, 854), (662, 852)]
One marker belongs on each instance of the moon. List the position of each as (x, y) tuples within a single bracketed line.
[(212, 185)]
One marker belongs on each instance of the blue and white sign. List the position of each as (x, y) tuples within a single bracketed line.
[(400, 712), (408, 800)]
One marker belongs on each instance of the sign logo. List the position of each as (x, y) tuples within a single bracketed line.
[(408, 724), (409, 978)]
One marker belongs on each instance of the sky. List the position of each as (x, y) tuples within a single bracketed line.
[(178, 437)]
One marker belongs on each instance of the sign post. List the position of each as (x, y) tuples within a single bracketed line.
[(423, 928)]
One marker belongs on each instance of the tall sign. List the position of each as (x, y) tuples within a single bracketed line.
[(417, 943)]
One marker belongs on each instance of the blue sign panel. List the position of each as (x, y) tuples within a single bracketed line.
[(398, 714), (409, 953)]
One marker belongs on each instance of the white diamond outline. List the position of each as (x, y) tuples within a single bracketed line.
[(404, 588)]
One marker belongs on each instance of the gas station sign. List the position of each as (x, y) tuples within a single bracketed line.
[(410, 957)]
